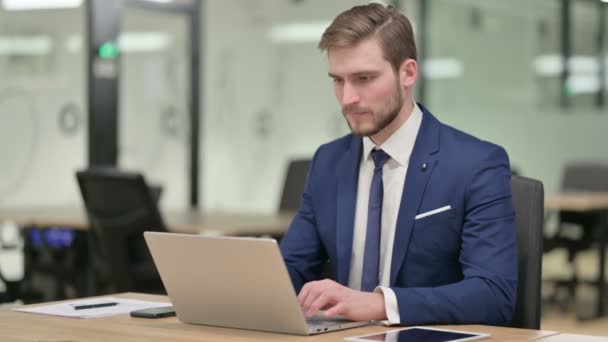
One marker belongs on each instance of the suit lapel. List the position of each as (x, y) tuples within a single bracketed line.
[(348, 180), (424, 152)]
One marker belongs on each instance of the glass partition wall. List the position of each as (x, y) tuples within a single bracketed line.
[(43, 117), (267, 97), (495, 69), (154, 95), (491, 68)]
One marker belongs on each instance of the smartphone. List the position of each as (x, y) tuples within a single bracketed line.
[(165, 311), (420, 334)]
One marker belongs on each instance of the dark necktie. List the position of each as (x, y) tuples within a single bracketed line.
[(371, 258)]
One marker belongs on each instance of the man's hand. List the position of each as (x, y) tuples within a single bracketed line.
[(340, 300)]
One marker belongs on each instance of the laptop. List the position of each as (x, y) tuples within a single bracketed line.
[(233, 282)]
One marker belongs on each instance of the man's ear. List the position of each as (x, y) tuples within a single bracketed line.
[(408, 73)]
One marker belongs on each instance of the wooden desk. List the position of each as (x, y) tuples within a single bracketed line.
[(20, 326), (588, 202), (224, 223), (183, 221), (574, 337), (577, 201)]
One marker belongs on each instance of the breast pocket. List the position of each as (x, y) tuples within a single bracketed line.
[(433, 212), (437, 234)]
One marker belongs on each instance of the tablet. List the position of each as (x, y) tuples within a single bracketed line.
[(420, 334)]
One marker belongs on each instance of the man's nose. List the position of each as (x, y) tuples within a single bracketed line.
[(349, 95)]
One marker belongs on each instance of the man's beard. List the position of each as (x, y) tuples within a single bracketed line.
[(388, 114)]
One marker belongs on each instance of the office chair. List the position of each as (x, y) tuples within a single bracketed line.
[(291, 198), (295, 179), (528, 203), (120, 207), (576, 231)]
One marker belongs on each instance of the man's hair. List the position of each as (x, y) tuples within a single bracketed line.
[(393, 30)]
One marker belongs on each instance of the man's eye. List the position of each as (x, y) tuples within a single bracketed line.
[(337, 80), (365, 78)]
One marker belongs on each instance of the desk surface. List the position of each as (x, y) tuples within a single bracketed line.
[(183, 221), (573, 337), (20, 326), (226, 223), (577, 201)]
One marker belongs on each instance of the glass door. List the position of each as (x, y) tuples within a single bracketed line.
[(154, 90)]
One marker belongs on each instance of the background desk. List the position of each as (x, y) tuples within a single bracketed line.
[(588, 202), (63, 266), (20, 326), (183, 221), (577, 201)]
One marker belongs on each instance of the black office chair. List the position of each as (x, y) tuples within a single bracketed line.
[(295, 179), (291, 198), (576, 231), (528, 202), (120, 207)]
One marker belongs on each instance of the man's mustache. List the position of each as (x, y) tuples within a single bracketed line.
[(354, 109)]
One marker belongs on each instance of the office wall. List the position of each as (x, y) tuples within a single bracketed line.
[(43, 68), (42, 76), (266, 102), (265, 99), (505, 93)]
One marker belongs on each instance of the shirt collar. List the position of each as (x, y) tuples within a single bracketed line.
[(398, 146)]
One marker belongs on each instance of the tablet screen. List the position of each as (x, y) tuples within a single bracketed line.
[(417, 334)]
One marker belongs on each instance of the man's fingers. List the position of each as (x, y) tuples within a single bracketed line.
[(307, 295), (323, 300), (326, 307), (338, 309), (313, 295), (303, 293), (313, 291)]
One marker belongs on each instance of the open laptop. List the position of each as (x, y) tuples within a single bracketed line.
[(232, 282)]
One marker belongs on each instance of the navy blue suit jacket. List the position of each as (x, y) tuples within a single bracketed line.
[(458, 266)]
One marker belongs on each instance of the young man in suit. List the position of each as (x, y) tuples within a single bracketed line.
[(414, 216)]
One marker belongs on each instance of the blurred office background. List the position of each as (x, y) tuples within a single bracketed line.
[(528, 75), (491, 68)]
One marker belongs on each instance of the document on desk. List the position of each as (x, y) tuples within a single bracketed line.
[(94, 307)]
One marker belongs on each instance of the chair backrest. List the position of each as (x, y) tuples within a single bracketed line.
[(120, 207), (528, 202), (584, 176), (295, 179)]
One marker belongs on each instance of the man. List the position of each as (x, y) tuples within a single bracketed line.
[(414, 216)]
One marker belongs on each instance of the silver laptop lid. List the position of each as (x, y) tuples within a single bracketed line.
[(227, 281)]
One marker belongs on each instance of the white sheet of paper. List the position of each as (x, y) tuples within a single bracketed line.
[(66, 309)]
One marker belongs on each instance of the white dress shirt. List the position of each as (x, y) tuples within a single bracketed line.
[(399, 147)]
